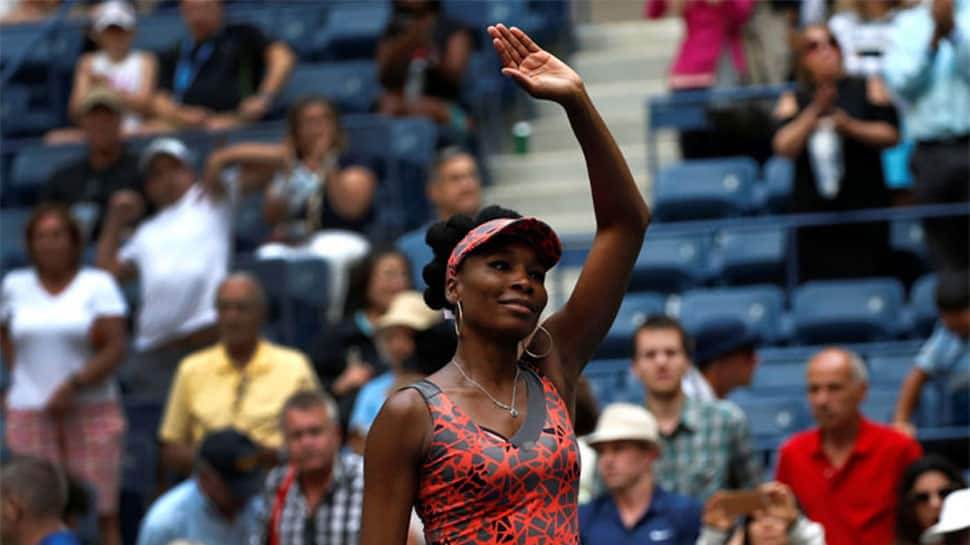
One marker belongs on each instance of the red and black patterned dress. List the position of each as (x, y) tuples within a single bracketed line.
[(477, 487)]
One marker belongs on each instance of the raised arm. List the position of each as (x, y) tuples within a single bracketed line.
[(621, 214)]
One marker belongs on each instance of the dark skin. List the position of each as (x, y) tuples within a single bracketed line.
[(502, 294)]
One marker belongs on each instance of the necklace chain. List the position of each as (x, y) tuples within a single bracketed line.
[(504, 406)]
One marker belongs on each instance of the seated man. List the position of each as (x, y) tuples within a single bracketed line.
[(221, 75), (845, 473), (634, 509), (242, 382), (218, 504), (34, 497), (86, 185), (724, 359), (945, 356)]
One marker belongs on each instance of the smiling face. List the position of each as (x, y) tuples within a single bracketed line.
[(501, 287), (820, 54)]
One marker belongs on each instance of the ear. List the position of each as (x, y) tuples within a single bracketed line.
[(452, 291)]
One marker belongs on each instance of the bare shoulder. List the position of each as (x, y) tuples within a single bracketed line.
[(787, 106), (405, 417), (877, 93)]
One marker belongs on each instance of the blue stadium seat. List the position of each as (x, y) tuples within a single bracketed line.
[(634, 309), (772, 419), (59, 49), (834, 311), (777, 181), (298, 25), (705, 188), (910, 260), (352, 31), (880, 404), (140, 464), (478, 15), (922, 301), (12, 223), (352, 85), (19, 117), (760, 307), (613, 381), (32, 168), (774, 377), (671, 264), (413, 142), (749, 256), (270, 132), (308, 296), (889, 370), (250, 230), (159, 33)]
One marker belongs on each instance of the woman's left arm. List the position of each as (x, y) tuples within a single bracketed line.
[(621, 214), (878, 130)]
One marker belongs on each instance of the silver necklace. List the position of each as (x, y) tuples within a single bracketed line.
[(504, 406)]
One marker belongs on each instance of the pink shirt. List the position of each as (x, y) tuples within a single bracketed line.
[(711, 26)]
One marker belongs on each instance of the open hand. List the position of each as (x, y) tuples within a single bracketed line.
[(715, 516), (537, 71)]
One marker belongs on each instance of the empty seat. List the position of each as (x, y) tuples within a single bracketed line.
[(270, 132), (749, 256), (910, 259), (890, 370), (33, 166), (634, 309), (922, 301), (352, 85), (775, 377), (777, 180), (352, 31), (772, 419), (880, 404), (705, 188), (59, 49), (760, 307), (159, 33), (12, 223), (613, 381), (412, 151), (249, 227), (833, 311), (671, 264), (307, 300)]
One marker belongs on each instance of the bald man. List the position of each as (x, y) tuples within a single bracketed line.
[(241, 382), (846, 471)]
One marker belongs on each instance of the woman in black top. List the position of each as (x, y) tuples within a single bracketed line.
[(834, 127)]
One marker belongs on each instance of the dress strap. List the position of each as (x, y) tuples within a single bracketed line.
[(426, 388)]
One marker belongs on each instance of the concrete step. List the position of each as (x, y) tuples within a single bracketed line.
[(554, 133), (629, 34), (616, 65), (549, 191), (615, 97)]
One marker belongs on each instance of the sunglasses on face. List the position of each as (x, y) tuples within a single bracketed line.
[(812, 46), (924, 497)]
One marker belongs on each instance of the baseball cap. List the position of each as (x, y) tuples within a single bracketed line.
[(237, 460), (955, 516), (113, 13), (408, 309), (624, 422), (719, 337), (537, 233), (102, 96), (164, 146)]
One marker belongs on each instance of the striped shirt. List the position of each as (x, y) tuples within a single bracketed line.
[(336, 520), (709, 450)]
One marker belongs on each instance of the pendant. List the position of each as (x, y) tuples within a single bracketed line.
[(514, 412)]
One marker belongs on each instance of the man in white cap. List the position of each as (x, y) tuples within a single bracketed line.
[(180, 254), (954, 525), (634, 510)]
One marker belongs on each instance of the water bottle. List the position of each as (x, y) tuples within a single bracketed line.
[(825, 153), (414, 86)]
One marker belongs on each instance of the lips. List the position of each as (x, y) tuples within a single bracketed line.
[(519, 305)]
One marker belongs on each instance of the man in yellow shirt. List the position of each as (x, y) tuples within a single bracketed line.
[(242, 382)]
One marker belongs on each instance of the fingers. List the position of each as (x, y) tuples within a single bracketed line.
[(518, 48), (526, 41), (519, 78), (503, 53), (501, 35)]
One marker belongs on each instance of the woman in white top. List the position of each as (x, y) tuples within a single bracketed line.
[(63, 333)]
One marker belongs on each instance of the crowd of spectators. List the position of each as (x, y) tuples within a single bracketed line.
[(260, 443)]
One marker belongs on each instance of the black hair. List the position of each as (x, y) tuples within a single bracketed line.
[(442, 237), (952, 291), (360, 275), (656, 322), (907, 527)]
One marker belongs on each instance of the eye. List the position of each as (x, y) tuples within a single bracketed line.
[(499, 264), (538, 276)]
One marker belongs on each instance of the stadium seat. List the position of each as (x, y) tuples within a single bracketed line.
[(479, 15), (922, 301), (159, 33), (12, 223), (412, 151), (613, 381), (889, 370), (298, 25), (751, 256), (772, 419), (777, 180), (880, 404), (140, 464), (270, 132), (634, 309), (910, 259), (307, 299), (33, 166), (250, 230), (671, 264), (352, 85), (833, 311), (352, 31), (775, 378), (19, 117), (58, 50), (705, 188), (760, 307)]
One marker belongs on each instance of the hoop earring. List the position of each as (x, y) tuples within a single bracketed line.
[(548, 351), (458, 318)]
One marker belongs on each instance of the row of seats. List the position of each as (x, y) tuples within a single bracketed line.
[(837, 311)]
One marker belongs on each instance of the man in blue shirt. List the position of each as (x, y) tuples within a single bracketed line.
[(634, 510), (218, 504), (928, 68), (34, 497), (945, 356)]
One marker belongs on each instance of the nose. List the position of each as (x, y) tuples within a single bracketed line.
[(523, 282)]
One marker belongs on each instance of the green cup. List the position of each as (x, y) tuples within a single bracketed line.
[(521, 132)]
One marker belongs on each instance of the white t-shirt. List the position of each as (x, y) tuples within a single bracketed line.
[(182, 254), (125, 76), (51, 333)]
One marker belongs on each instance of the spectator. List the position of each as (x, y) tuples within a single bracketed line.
[(180, 254), (945, 356), (767, 38), (834, 127), (711, 55), (724, 359), (218, 504), (87, 184), (454, 187), (64, 335), (923, 488), (954, 525), (395, 334), (634, 509), (706, 445), (864, 32), (130, 73), (345, 356), (34, 495), (242, 382), (777, 522), (316, 498), (220, 75), (845, 473), (422, 58), (928, 67), (17, 12)]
